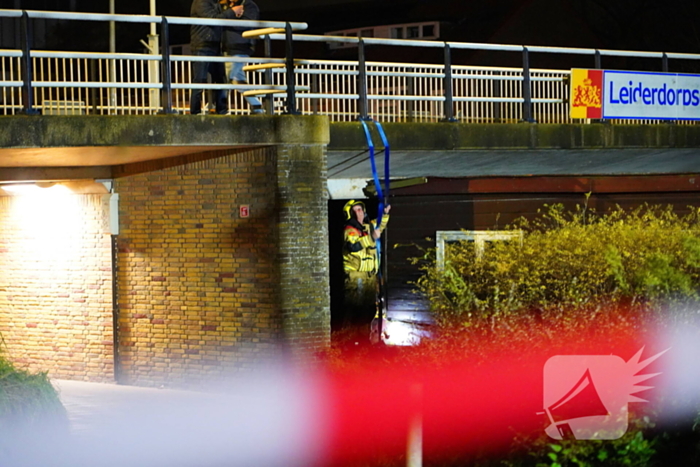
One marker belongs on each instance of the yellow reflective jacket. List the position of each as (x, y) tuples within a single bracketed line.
[(359, 248)]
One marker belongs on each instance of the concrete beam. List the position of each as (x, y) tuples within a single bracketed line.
[(71, 140), (455, 136), (160, 130)]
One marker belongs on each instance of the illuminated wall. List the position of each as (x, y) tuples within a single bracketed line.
[(56, 282), (198, 283)]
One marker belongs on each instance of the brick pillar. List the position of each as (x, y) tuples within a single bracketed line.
[(303, 247)]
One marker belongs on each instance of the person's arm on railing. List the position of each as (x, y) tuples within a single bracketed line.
[(249, 10), (210, 9)]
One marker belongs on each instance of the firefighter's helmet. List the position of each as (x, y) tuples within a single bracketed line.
[(348, 208)]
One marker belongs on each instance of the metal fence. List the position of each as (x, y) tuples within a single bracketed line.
[(79, 86), (83, 83), (396, 91)]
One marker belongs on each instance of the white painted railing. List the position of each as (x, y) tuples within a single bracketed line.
[(396, 91)]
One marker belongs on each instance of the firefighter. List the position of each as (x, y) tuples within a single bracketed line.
[(360, 261)]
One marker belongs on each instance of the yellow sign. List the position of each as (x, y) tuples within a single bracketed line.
[(586, 93)]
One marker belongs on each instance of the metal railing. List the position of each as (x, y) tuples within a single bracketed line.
[(57, 82)]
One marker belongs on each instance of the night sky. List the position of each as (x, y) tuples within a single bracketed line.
[(670, 25)]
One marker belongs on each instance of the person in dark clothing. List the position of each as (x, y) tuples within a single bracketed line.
[(235, 45), (206, 41)]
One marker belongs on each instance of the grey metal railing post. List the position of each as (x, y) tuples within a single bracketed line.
[(269, 102), (362, 105), (527, 91), (447, 87), (291, 103), (664, 68), (167, 95), (598, 66), (93, 91), (314, 89), (26, 65), (497, 94), (112, 62), (410, 90)]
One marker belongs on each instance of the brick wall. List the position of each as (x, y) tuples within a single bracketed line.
[(198, 283), (202, 289), (304, 265), (56, 284)]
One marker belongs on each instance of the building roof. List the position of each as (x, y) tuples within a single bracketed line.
[(525, 162), (542, 170)]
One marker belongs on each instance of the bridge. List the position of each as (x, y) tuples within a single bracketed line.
[(152, 246)]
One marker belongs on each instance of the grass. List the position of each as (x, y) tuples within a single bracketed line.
[(32, 417), (26, 396)]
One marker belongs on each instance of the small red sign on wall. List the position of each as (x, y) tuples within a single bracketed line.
[(244, 210)]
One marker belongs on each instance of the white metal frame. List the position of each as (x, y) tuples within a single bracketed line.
[(479, 237)]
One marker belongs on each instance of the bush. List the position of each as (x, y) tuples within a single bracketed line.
[(635, 448), (570, 264)]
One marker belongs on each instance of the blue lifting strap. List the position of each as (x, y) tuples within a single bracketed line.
[(382, 195), (387, 151)]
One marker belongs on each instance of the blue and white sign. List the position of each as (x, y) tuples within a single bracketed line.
[(628, 94)]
